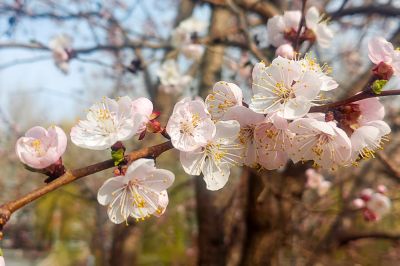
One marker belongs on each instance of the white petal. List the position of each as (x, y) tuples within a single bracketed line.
[(215, 176), (192, 161)]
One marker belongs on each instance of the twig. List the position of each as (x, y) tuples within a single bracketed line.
[(302, 20), (7, 209)]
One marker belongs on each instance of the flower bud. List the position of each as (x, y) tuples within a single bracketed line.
[(286, 51), (358, 203), (381, 189)]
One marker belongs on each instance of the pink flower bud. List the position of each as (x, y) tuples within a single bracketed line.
[(286, 51), (381, 189), (358, 203), (41, 148)]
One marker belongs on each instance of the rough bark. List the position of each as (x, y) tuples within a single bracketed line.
[(271, 206)]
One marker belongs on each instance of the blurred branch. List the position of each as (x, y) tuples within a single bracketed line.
[(390, 166), (7, 209), (383, 10), (24, 61), (244, 27), (263, 8), (345, 238)]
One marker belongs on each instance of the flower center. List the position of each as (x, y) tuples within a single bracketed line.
[(283, 92), (37, 146)]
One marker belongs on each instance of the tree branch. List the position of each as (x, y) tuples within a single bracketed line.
[(354, 98), (7, 209), (345, 238)]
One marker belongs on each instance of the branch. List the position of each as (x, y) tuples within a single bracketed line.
[(345, 238), (354, 98), (302, 22), (383, 10), (390, 166), (244, 27), (7, 209)]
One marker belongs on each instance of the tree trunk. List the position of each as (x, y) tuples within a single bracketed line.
[(270, 211), (211, 243)]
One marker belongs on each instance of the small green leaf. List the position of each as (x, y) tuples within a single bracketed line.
[(1, 253), (117, 156), (378, 85)]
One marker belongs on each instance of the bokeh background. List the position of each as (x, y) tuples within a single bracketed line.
[(260, 217)]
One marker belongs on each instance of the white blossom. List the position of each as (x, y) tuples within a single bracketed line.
[(139, 193), (216, 158), (190, 126), (106, 123)]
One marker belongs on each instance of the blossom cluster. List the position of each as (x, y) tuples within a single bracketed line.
[(373, 204), (283, 31), (278, 124)]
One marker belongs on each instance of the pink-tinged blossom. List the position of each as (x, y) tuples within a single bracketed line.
[(286, 51), (61, 46), (379, 205), (323, 142), (190, 126), (108, 122), (224, 96), (2, 262), (369, 131), (371, 110), (248, 121), (367, 139), (282, 29), (273, 139), (40, 148), (323, 34), (216, 158), (385, 57), (144, 107), (139, 193), (374, 205), (317, 182), (171, 79), (279, 26), (283, 87)]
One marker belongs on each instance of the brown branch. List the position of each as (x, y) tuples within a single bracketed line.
[(7, 209), (361, 96), (244, 28), (302, 21), (390, 166), (345, 238)]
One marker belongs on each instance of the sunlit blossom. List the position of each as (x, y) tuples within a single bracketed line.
[(108, 122), (190, 125), (284, 87), (139, 193), (216, 158), (40, 148)]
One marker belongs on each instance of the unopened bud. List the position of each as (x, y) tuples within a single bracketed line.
[(286, 51), (383, 71)]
